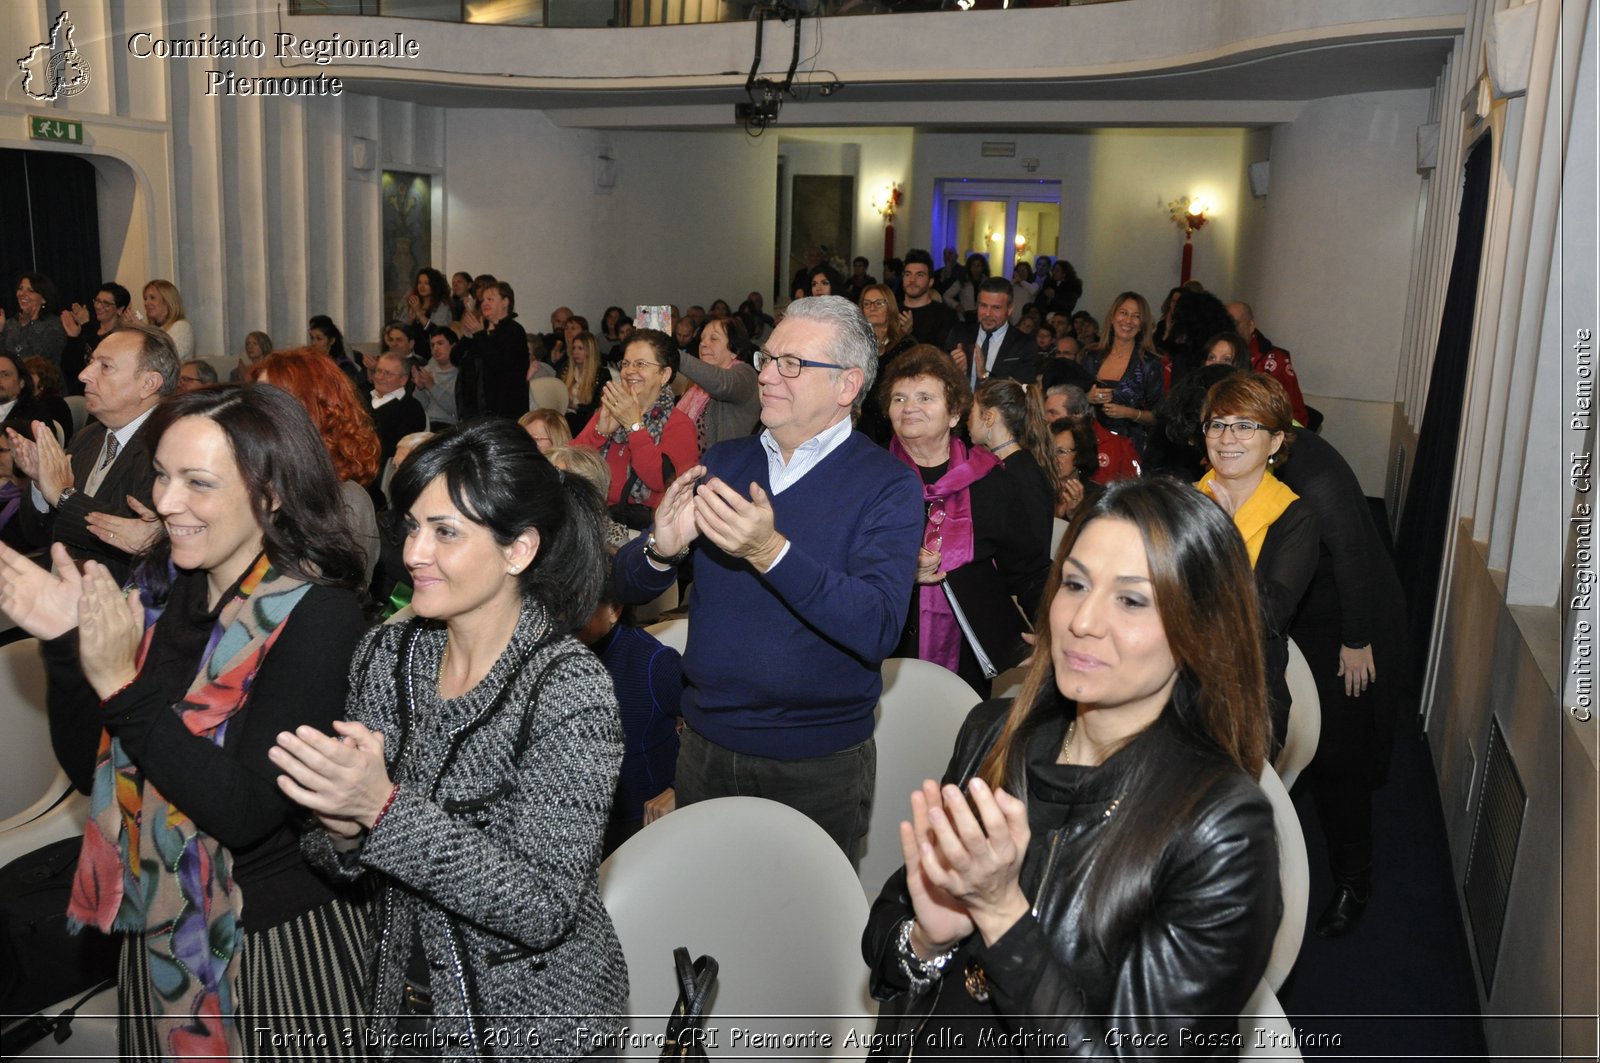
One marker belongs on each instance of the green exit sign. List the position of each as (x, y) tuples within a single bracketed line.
[(55, 129)]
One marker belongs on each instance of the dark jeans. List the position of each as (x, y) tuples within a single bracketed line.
[(835, 791)]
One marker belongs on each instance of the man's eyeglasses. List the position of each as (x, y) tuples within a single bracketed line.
[(789, 365), (1242, 430)]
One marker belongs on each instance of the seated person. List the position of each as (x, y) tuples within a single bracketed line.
[(648, 678), (548, 429), (195, 374)]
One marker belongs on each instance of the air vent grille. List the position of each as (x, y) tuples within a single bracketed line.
[(1502, 802)]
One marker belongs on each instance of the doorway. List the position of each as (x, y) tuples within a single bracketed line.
[(1005, 221)]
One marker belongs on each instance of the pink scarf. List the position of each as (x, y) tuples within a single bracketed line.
[(949, 534)]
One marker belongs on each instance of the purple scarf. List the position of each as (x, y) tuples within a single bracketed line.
[(10, 500), (948, 533)]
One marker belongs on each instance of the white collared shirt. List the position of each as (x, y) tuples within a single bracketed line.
[(6, 408), (805, 457), (995, 340), (379, 400), (782, 476)]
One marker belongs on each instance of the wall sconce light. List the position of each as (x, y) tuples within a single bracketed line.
[(1190, 214), (885, 202)]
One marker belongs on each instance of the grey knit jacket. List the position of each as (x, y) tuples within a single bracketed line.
[(736, 398), (492, 844)]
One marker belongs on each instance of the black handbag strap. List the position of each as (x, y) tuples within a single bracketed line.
[(685, 1028)]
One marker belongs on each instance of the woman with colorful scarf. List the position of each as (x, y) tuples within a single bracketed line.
[(976, 514), (644, 438), (164, 700), (1246, 422)]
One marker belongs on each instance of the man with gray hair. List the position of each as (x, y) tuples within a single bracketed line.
[(805, 541), (195, 374), (81, 494)]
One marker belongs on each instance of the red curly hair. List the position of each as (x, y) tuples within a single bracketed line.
[(333, 403)]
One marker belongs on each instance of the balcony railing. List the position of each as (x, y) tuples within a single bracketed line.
[(604, 13)]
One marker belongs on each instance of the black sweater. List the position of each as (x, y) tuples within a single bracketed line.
[(229, 791)]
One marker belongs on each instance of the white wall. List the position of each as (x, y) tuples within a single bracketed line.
[(1341, 219)]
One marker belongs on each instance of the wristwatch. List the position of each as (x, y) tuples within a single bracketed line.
[(68, 493), (635, 426), (658, 557)]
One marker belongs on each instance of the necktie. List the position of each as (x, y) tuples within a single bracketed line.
[(983, 355), (111, 451)]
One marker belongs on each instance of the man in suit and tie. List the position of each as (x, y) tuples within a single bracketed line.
[(990, 346), (108, 460)]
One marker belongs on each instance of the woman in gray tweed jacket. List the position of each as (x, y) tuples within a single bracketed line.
[(477, 770)]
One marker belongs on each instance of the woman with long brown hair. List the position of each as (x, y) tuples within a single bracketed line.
[(165, 698), (1099, 857), (1127, 370), (882, 311), (583, 377)]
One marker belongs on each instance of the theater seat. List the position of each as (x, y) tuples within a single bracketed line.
[(922, 707), (765, 891)]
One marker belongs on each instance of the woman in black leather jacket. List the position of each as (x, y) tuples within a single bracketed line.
[(1098, 873)]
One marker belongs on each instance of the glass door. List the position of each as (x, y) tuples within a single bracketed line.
[(1005, 221)]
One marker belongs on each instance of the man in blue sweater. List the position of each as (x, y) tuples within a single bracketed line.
[(806, 542)]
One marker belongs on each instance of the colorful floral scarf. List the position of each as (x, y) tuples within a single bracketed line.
[(655, 422), (145, 867), (949, 534), (1265, 505)]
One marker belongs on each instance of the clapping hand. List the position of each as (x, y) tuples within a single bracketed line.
[(620, 403), (342, 779), (970, 853), (906, 322), (69, 320), (942, 920), (743, 527), (110, 625), (130, 534), (959, 356), (42, 602), (42, 460), (675, 526)]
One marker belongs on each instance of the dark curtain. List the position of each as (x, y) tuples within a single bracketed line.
[(1419, 548), (49, 224)]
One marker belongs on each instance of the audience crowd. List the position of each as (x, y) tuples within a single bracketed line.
[(877, 468)]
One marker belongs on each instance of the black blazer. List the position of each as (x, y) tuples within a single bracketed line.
[(130, 474), (1019, 353)]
